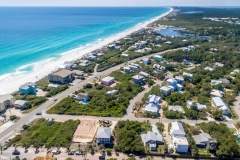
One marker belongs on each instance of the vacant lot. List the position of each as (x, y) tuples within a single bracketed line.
[(85, 131), (47, 133)]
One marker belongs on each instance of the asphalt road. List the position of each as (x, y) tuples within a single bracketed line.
[(12, 130)]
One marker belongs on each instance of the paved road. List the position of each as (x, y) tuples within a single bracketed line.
[(236, 106), (9, 132)]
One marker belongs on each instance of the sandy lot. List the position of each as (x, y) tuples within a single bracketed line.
[(85, 131), (40, 92)]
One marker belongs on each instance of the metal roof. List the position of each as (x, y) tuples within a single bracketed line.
[(104, 133), (107, 79)]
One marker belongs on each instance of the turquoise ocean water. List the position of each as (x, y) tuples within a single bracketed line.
[(30, 35)]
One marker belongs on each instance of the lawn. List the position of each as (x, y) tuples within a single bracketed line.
[(47, 133), (203, 152)]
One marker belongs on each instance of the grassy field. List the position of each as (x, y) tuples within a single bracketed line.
[(47, 133)]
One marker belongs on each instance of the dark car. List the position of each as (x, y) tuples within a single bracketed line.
[(101, 157), (55, 99), (39, 113), (16, 152), (24, 159), (70, 153)]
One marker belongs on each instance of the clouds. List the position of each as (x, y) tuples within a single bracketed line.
[(119, 2)]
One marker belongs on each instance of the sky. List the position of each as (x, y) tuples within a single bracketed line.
[(119, 2)]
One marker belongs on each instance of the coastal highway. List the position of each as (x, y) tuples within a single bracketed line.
[(13, 129)]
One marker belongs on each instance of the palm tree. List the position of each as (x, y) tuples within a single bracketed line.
[(84, 153), (79, 147)]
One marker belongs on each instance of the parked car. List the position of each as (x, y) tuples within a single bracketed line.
[(24, 159), (21, 130), (55, 99), (39, 113), (164, 134), (16, 152), (56, 152), (78, 153), (70, 153), (102, 157)]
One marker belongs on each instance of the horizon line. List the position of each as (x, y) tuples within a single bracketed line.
[(120, 6)]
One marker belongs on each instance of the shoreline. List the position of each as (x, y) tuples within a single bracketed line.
[(48, 66)]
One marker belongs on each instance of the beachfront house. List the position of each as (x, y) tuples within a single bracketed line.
[(63, 76), (84, 97), (108, 80), (28, 88), (138, 79), (78, 73), (127, 70), (144, 74), (21, 104), (178, 134), (158, 58), (176, 108), (221, 105), (6, 101), (152, 138), (104, 135), (166, 91), (146, 61), (195, 106), (66, 65)]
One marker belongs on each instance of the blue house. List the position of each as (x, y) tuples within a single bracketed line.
[(158, 58), (127, 70), (138, 79), (28, 88)]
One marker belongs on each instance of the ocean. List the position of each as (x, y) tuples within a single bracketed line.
[(33, 36)]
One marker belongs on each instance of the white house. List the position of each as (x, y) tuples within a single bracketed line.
[(192, 104), (178, 134), (176, 108), (216, 93), (221, 105), (151, 107), (103, 135), (177, 130), (189, 75), (215, 82), (152, 138), (154, 99), (166, 90), (82, 97), (144, 74), (201, 139)]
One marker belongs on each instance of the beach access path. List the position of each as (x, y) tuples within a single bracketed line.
[(13, 129)]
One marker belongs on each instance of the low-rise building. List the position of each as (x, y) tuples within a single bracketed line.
[(144, 74), (209, 69), (28, 88), (127, 70), (135, 66), (21, 104), (138, 79), (158, 58), (202, 139), (168, 42), (104, 135), (84, 97), (215, 82), (189, 75), (172, 83), (216, 93), (177, 130), (146, 61), (180, 144), (221, 105), (53, 85), (154, 99), (176, 108), (151, 107), (179, 79), (63, 76), (112, 92), (6, 101), (78, 73), (194, 105), (217, 64), (108, 80), (152, 139), (166, 91)]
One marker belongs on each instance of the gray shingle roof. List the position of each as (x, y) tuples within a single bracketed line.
[(201, 138), (104, 133)]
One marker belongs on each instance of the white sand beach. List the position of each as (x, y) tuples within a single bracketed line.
[(48, 66)]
